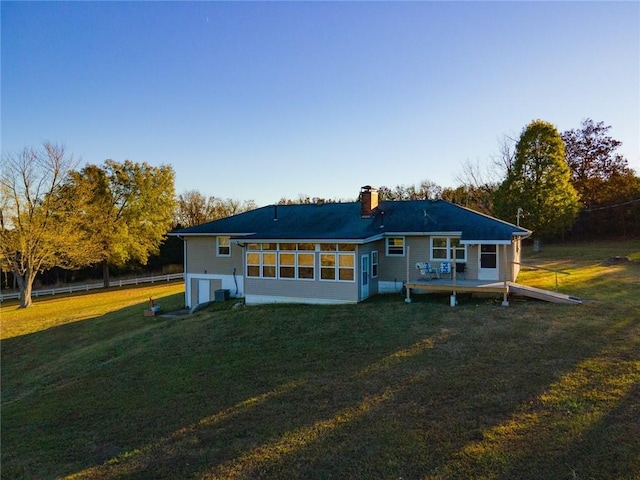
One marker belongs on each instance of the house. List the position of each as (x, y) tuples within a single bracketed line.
[(342, 252)]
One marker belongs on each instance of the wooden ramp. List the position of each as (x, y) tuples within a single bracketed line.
[(540, 294)]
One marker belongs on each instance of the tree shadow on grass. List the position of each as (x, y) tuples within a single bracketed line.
[(376, 390)]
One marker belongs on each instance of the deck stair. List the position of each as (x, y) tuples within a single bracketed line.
[(540, 294)]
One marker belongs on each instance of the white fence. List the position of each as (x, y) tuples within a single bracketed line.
[(91, 286)]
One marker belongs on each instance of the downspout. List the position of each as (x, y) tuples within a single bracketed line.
[(242, 263)]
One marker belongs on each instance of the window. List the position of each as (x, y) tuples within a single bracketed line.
[(223, 246), (346, 267), (488, 256), (284, 260), (439, 248), (287, 265), (339, 265), (374, 264), (461, 250), (328, 266), (395, 246), (306, 265), (269, 265), (442, 249), (253, 264)]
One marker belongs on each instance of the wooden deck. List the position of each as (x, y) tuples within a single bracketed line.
[(459, 286), (479, 286), (444, 285)]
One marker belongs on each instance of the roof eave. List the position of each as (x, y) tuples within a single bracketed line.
[(208, 234)]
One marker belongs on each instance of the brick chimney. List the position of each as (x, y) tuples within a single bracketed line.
[(368, 201)]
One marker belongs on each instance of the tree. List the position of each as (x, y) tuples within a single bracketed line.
[(307, 200), (504, 161), (127, 209), (193, 208), (479, 198), (426, 190), (38, 226), (593, 161), (476, 188), (227, 208), (539, 183), (602, 177)]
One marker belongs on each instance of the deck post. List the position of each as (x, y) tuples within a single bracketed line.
[(452, 300), (406, 285), (505, 300)]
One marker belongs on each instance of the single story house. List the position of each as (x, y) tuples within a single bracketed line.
[(342, 252)]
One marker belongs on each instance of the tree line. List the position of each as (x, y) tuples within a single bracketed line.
[(54, 215), (572, 184)]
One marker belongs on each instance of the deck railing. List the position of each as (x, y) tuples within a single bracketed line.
[(91, 286), (536, 267)]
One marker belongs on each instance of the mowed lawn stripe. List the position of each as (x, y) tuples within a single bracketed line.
[(381, 389)]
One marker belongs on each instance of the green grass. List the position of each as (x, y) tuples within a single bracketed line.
[(379, 390)]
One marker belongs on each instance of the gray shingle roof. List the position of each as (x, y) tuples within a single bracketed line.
[(342, 221)]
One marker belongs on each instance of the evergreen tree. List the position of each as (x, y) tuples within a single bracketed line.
[(539, 183)]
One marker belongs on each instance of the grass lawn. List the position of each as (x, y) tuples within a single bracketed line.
[(378, 390)]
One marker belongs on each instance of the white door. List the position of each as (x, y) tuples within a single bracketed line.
[(204, 292), (364, 284), (488, 262)]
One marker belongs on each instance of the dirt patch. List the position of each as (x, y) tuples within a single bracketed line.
[(617, 260)]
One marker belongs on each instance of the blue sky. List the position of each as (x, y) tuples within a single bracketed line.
[(264, 100)]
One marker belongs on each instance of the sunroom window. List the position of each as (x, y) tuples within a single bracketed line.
[(338, 266)]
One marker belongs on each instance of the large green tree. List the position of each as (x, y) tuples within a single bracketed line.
[(128, 209), (39, 228), (539, 183)]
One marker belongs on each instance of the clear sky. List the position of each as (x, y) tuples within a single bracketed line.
[(264, 100)]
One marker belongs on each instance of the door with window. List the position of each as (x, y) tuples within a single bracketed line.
[(364, 284), (488, 262)]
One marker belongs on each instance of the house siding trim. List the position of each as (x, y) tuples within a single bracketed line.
[(267, 299)]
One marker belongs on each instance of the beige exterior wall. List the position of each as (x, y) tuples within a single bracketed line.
[(301, 289), (201, 257), (202, 263), (516, 252), (473, 255), (394, 268)]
